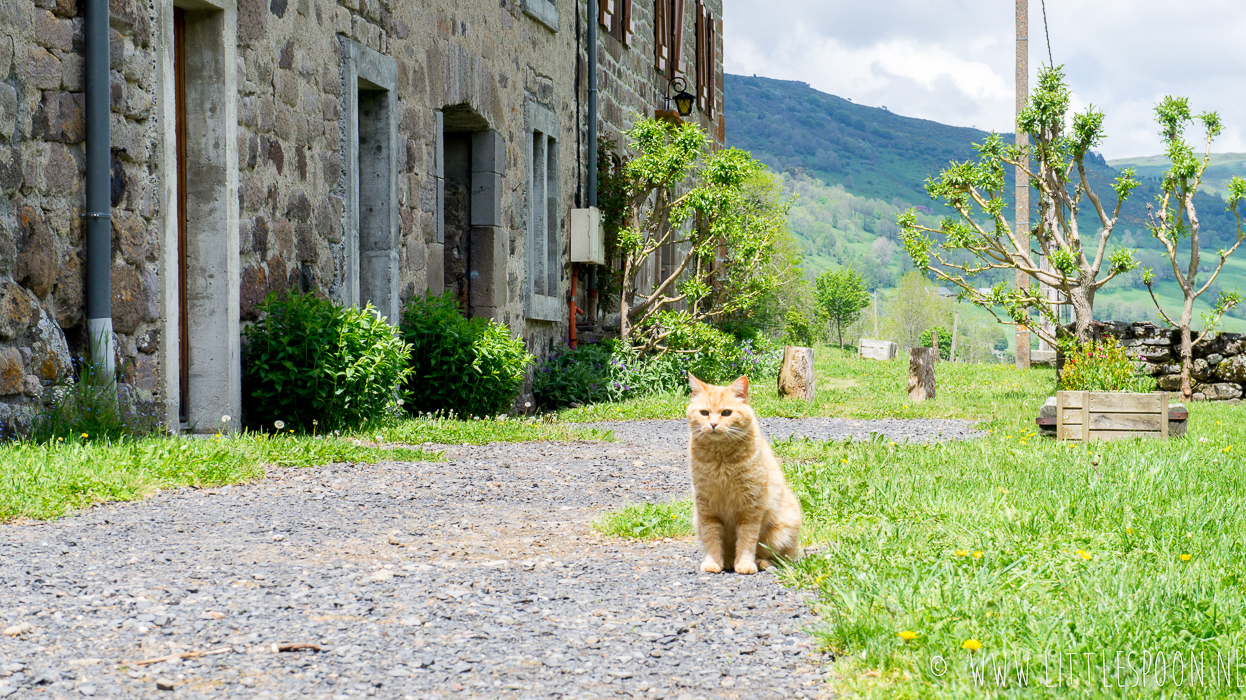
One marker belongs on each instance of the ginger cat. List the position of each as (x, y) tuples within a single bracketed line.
[(744, 513)]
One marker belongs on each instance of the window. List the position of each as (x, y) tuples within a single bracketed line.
[(668, 37), (543, 11), (544, 244), (707, 55), (616, 17)]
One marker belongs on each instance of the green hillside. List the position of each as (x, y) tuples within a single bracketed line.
[(853, 167), (1223, 167)]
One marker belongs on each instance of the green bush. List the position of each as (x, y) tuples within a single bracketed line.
[(310, 360), (469, 366), (1101, 366), (610, 371), (945, 342), (92, 409)]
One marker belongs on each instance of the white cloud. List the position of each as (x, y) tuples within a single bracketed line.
[(952, 61)]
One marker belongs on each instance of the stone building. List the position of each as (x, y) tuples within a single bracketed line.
[(369, 149)]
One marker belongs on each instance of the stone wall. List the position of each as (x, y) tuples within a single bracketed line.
[(1219, 372), (278, 212)]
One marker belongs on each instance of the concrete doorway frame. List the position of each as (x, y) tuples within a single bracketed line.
[(212, 267)]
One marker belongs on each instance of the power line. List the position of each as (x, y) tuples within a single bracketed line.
[(1051, 63)]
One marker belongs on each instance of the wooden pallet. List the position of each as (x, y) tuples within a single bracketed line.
[(1096, 415)]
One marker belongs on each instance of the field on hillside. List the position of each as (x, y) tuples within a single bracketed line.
[(1223, 167), (1013, 565)]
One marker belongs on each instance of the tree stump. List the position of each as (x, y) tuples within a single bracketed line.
[(922, 374), (796, 377)]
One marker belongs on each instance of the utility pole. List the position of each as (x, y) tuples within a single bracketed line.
[(1023, 180)]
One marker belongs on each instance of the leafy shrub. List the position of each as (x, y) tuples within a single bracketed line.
[(945, 342), (92, 409), (469, 366), (611, 371), (1101, 366), (799, 329), (309, 359)]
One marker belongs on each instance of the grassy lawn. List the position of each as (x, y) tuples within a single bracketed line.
[(44, 481), (1014, 565), (853, 388)]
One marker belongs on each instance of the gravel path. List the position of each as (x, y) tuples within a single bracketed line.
[(480, 577)]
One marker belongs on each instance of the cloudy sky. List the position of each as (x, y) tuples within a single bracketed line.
[(952, 60)]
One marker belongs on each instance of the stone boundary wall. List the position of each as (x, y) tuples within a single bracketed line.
[(1219, 372)]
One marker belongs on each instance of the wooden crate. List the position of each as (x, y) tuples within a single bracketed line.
[(1096, 415)]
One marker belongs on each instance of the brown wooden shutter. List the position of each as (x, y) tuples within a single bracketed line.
[(626, 25), (700, 57), (678, 62), (605, 9), (662, 36)]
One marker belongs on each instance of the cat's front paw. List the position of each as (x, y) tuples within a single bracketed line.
[(710, 566), (746, 567), (763, 564)]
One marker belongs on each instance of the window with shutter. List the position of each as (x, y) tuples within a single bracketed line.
[(605, 9), (627, 26), (544, 242), (662, 36), (678, 63), (706, 59)]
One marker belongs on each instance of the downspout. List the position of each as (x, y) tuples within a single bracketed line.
[(98, 214), (593, 12)]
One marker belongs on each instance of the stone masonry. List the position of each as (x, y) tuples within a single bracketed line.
[(303, 120), (1219, 372)]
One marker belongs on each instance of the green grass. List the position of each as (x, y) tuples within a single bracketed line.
[(1030, 548), (45, 481), (445, 431), (648, 521), (852, 388)]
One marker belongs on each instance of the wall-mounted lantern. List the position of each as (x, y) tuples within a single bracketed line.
[(683, 99)]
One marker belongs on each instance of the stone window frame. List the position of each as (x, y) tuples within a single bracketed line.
[(543, 223), (543, 11), (373, 71)]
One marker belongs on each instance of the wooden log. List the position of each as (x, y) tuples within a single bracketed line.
[(796, 377), (921, 374)]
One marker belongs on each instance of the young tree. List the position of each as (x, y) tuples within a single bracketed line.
[(841, 295), (1176, 222), (967, 246), (720, 212), (912, 307)]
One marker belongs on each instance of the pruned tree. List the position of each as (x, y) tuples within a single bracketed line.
[(841, 296), (1173, 221), (720, 213), (980, 239)]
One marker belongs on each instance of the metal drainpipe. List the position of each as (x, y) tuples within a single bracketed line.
[(98, 214), (592, 127)]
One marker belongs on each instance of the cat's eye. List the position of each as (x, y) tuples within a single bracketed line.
[(726, 412), (704, 412)]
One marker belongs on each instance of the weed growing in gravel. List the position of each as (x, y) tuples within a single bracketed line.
[(853, 388), (648, 521), (53, 479)]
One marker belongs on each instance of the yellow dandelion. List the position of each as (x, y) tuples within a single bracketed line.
[(962, 552), (977, 555), (971, 645), (1129, 530), (1186, 557), (1083, 554), (60, 439), (84, 435), (908, 635), (845, 460), (1228, 447)]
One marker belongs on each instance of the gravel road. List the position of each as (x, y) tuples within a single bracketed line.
[(480, 577)]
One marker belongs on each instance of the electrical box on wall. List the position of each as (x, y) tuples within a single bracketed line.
[(588, 241)]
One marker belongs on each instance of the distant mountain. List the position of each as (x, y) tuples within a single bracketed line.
[(1223, 167)]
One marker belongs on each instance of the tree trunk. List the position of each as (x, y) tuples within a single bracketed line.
[(1082, 297), (934, 343), (921, 374), (797, 378), (1187, 349), (840, 327), (955, 327)]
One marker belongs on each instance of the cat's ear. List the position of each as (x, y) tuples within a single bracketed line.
[(740, 388), (698, 386)]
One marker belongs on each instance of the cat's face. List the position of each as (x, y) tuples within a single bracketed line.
[(719, 412)]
